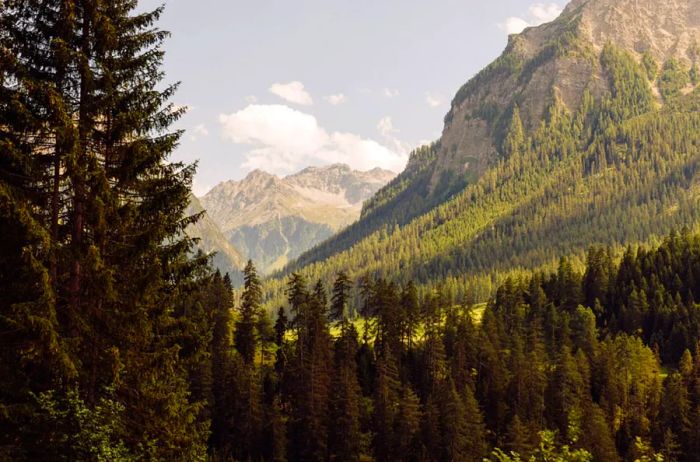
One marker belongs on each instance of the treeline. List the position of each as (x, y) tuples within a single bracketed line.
[(600, 365)]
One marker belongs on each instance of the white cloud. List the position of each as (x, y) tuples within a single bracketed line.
[(538, 13), (514, 25), (197, 131), (293, 92), (285, 140), (545, 12), (390, 92), (433, 100), (386, 128), (336, 99), (201, 130)]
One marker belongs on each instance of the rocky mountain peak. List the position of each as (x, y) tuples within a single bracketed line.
[(273, 219), (259, 178), (556, 61), (668, 28)]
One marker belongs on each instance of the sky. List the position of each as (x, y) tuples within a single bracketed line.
[(281, 85)]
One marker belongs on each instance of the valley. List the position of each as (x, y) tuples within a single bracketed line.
[(525, 289)]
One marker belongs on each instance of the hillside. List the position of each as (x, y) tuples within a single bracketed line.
[(273, 220), (226, 258), (564, 141)]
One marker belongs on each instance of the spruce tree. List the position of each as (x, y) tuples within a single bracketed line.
[(309, 373), (33, 356), (386, 404), (340, 297), (89, 124), (246, 336), (344, 404), (281, 325), (407, 426), (223, 370)]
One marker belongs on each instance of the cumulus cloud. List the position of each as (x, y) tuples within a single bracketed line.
[(390, 92), (433, 100), (197, 131), (201, 130), (545, 12), (336, 99), (386, 128), (284, 140), (538, 13), (294, 92)]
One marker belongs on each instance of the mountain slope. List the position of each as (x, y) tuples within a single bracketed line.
[(564, 141), (556, 61), (272, 219), (226, 258)]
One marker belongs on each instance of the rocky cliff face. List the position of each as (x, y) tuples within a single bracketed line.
[(558, 60), (668, 28), (273, 220)]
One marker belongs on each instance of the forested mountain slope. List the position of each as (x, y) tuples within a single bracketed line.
[(584, 131)]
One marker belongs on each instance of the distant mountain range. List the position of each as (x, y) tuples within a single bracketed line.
[(272, 220)]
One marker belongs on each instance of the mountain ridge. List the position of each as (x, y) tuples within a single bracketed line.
[(542, 134), (272, 219), (556, 61)]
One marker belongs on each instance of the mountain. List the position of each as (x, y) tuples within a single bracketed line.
[(584, 131), (211, 240), (273, 220)]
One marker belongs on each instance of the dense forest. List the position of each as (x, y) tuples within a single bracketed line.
[(118, 342), (601, 365)]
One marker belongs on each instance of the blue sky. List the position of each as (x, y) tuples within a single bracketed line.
[(283, 84)]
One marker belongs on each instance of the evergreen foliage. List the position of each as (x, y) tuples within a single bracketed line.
[(561, 366)]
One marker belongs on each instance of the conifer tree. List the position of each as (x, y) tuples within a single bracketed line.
[(410, 313), (407, 427), (386, 405), (281, 325), (222, 370), (309, 372), (453, 426), (93, 138), (247, 411), (344, 404), (246, 338), (518, 438), (340, 297)]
